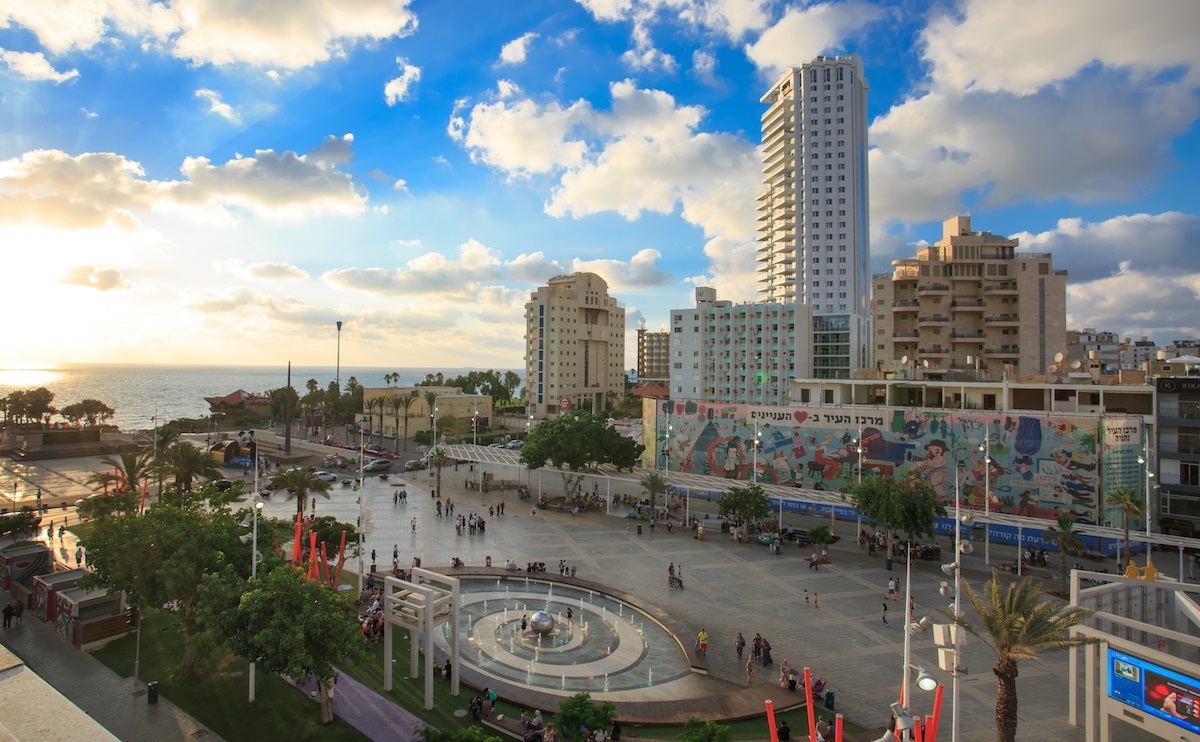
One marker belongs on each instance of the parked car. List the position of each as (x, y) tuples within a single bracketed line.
[(515, 443), (377, 465), (414, 465), (325, 475), (390, 436), (496, 445)]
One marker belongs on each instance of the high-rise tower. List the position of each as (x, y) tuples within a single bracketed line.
[(813, 213)]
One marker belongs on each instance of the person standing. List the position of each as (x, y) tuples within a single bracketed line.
[(78, 556), (766, 653), (756, 647), (750, 671), (702, 642), (885, 623), (816, 600), (891, 593), (8, 615), (413, 523), (739, 643), (18, 611), (396, 550)]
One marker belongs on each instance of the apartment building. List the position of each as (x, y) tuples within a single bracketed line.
[(971, 301), (574, 346), (653, 356)]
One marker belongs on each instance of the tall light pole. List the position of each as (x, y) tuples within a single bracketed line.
[(1144, 460), (338, 377), (433, 426), (475, 426), (986, 448), (858, 446), (362, 484), (954, 569), (258, 505)]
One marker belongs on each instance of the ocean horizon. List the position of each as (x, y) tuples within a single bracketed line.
[(140, 392)]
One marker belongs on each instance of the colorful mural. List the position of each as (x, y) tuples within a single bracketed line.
[(1040, 465)]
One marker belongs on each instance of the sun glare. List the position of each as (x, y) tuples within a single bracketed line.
[(26, 377)]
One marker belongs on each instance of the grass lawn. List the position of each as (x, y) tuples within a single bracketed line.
[(218, 696)]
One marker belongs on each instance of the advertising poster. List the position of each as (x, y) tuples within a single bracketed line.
[(1040, 465)]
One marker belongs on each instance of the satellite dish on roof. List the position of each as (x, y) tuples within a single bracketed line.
[(1051, 368), (925, 363), (904, 360), (1058, 357), (1076, 365), (1053, 379)]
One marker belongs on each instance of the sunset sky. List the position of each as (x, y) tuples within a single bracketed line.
[(181, 182)]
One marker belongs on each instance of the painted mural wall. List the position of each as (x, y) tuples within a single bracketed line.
[(1040, 465)]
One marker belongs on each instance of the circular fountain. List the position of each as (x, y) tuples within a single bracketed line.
[(607, 646)]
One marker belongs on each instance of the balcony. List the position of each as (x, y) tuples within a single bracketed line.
[(933, 319), (933, 288), (966, 336), (900, 334), (966, 305), (1002, 319), (936, 350), (1003, 350), (903, 304), (1001, 289)]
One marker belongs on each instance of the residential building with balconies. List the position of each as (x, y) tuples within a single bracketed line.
[(971, 302)]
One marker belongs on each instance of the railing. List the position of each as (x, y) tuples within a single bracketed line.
[(933, 287), (1002, 318)]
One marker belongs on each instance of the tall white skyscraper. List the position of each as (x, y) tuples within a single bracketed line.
[(813, 212)]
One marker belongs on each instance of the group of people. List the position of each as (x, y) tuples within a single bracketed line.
[(471, 523), (760, 650)]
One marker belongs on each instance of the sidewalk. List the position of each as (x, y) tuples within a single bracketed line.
[(114, 702)]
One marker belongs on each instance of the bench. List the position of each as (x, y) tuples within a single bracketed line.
[(508, 726)]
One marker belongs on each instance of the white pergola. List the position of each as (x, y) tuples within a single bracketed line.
[(421, 605)]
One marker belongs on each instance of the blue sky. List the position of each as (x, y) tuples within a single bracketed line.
[(188, 181)]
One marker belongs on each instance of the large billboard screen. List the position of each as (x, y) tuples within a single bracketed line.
[(1154, 690)]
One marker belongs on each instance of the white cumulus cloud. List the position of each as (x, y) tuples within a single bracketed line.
[(218, 106), (101, 279), (397, 89), (35, 66), (515, 51)]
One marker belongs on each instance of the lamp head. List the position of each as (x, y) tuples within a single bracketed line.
[(945, 589), (1141, 460), (966, 547), (967, 520), (244, 538), (950, 568), (904, 722), (925, 681)]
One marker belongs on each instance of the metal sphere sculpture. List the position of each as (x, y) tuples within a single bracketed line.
[(541, 623)]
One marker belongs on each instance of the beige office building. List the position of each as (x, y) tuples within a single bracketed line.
[(574, 346), (654, 356), (971, 301)]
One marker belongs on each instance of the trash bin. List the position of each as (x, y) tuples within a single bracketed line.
[(152, 692), (639, 529), (829, 698), (889, 564)]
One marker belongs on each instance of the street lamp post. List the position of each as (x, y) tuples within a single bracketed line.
[(254, 511), (362, 483), (475, 427), (338, 376), (1144, 460), (986, 448), (858, 447)]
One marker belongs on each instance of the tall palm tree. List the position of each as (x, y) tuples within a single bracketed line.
[(1129, 501), (380, 404), (300, 483), (652, 484), (124, 471), (185, 463), (439, 459), (1017, 625), (1065, 538), (431, 403), (456, 428), (402, 402)]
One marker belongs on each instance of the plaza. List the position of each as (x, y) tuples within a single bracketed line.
[(730, 588)]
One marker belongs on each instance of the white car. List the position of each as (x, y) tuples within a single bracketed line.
[(390, 436), (326, 475), (515, 443)]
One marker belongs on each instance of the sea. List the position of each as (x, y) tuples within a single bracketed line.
[(140, 393)]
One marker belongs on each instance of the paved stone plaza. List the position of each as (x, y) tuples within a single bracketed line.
[(729, 588)]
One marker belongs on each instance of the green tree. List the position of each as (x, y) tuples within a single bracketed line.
[(1017, 626), (329, 532), (820, 536), (907, 505), (185, 463), (455, 427), (293, 627), (747, 504), (19, 522), (115, 503), (1065, 538), (511, 383), (124, 471), (576, 444), (652, 484), (579, 714), (431, 408), (96, 412), (705, 731), (162, 557), (398, 403), (38, 405), (284, 402), (438, 460), (1129, 501), (299, 483)]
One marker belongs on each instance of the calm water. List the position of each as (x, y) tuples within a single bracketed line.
[(135, 392)]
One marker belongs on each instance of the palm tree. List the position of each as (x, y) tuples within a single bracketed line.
[(1017, 626), (402, 402), (1064, 539), (431, 403), (377, 403), (1129, 502), (185, 463), (438, 459), (300, 482), (652, 484), (125, 470), (456, 428)]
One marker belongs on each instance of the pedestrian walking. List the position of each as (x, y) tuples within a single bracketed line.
[(702, 643), (78, 556), (885, 623), (816, 601), (815, 564), (413, 523), (891, 593), (750, 671), (739, 643), (18, 612), (805, 595), (9, 610), (756, 647)]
